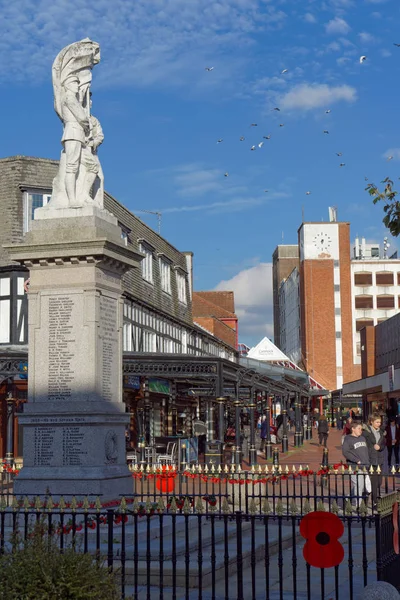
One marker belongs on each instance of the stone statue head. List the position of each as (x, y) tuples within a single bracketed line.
[(77, 60)]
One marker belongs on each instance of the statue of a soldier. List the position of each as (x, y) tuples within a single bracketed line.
[(79, 164)]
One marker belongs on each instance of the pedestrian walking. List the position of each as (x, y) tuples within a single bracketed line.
[(355, 451), (339, 418), (376, 443), (323, 430), (263, 432), (393, 441)]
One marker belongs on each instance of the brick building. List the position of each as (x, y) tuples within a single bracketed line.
[(335, 291), (215, 311)]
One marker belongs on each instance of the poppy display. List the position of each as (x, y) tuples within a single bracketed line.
[(322, 531)]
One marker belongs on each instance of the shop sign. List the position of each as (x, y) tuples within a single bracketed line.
[(391, 378), (159, 386), (132, 382)]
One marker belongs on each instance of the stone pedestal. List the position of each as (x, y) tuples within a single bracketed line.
[(74, 421)]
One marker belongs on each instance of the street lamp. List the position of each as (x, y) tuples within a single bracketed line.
[(285, 442), (9, 458), (252, 450)]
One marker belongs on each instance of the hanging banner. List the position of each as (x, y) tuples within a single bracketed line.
[(131, 382), (159, 386)]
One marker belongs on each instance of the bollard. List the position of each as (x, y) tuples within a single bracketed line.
[(275, 459), (325, 458), (325, 465)]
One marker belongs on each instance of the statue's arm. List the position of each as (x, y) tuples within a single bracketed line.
[(76, 109)]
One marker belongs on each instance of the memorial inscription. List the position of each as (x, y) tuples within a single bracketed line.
[(109, 335), (62, 340), (44, 446)]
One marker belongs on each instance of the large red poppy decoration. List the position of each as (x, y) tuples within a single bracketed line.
[(395, 517), (165, 480), (322, 531)]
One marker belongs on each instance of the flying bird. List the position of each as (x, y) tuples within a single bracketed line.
[(308, 193), (342, 165), (253, 148), (366, 178), (284, 71), (276, 108), (242, 138), (281, 124), (209, 69), (253, 124), (267, 137), (390, 158), (326, 131), (219, 141), (398, 45), (266, 191), (339, 153), (328, 111), (261, 144), (226, 174), (362, 59)]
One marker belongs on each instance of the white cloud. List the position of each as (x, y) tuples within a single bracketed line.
[(376, 1), (142, 42), (385, 53), (309, 18), (395, 152), (253, 301), (307, 96), (233, 205), (337, 26), (366, 38)]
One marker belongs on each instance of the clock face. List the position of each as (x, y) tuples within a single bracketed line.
[(323, 242)]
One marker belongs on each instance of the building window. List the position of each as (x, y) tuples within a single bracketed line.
[(385, 278), (32, 201), (338, 335), (385, 302), (360, 323), (147, 263), (336, 288), (375, 252), (165, 274), (362, 302), (125, 231), (363, 278), (181, 284), (13, 310)]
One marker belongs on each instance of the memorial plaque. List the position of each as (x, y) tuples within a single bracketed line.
[(109, 344), (44, 446), (61, 346)]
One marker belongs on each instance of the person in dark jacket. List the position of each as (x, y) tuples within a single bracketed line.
[(355, 451), (393, 440), (323, 430), (376, 442), (263, 432)]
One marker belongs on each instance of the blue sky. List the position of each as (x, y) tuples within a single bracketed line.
[(162, 114)]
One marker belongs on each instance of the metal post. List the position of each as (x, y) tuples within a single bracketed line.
[(285, 441), (9, 459), (238, 449), (221, 417), (252, 449), (297, 433), (275, 460), (268, 445), (309, 423), (210, 422)]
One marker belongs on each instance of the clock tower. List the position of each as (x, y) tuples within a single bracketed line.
[(325, 299)]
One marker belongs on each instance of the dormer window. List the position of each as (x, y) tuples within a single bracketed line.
[(124, 233), (165, 273), (32, 201), (147, 262)]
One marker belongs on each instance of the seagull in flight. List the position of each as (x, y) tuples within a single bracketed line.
[(284, 71), (253, 124), (219, 141), (389, 158), (281, 124), (339, 153), (267, 137), (326, 131), (342, 165), (308, 193), (362, 59), (328, 111), (209, 69), (261, 144), (398, 45), (266, 191), (242, 138), (277, 109), (226, 174), (253, 148)]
